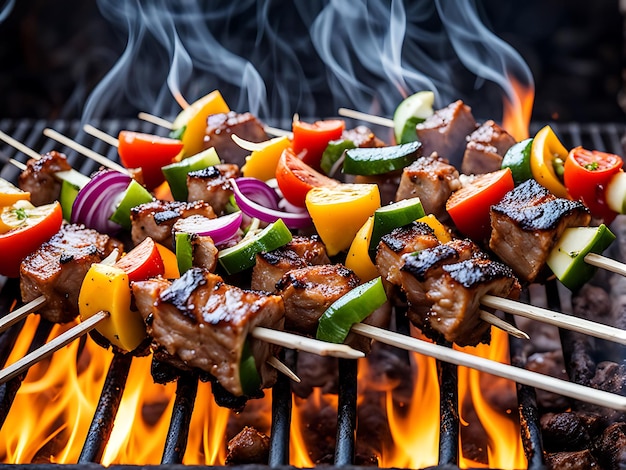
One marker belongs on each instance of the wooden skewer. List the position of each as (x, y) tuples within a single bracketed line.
[(501, 324), (16, 144), (381, 121), (12, 318), (87, 152), (606, 263), (561, 320), (281, 367), (94, 131), (523, 376), (17, 164)]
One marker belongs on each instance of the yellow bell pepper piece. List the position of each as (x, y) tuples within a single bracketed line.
[(261, 164), (107, 288), (9, 194), (339, 212), (546, 151), (358, 259), (441, 232), (195, 118)]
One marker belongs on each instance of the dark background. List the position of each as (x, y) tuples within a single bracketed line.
[(52, 54)]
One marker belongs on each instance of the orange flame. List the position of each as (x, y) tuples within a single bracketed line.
[(518, 111)]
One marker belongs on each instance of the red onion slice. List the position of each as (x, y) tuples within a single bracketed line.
[(220, 229), (97, 200), (259, 192), (249, 207)]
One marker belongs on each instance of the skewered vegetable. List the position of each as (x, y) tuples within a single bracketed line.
[(378, 161), (547, 158), (517, 158), (409, 113), (263, 160), (176, 173), (311, 139)]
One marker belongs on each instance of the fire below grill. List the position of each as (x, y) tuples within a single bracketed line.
[(344, 444)]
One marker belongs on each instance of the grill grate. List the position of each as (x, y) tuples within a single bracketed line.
[(599, 136)]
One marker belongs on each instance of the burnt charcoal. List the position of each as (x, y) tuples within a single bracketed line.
[(610, 448), (249, 446), (568, 431), (315, 372), (580, 460), (549, 363)]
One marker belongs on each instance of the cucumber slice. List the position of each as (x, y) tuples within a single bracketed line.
[(517, 158), (248, 373), (333, 152), (353, 307), (392, 216), (615, 193), (380, 160), (134, 195), (410, 112), (243, 254), (567, 258)]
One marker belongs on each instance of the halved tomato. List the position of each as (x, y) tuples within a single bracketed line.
[(295, 178), (142, 262), (148, 152)]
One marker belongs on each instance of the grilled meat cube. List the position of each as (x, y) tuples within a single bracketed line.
[(248, 446), (444, 285), (433, 180), (485, 148), (57, 268), (445, 131), (220, 128), (527, 223), (310, 248), (212, 185), (610, 448), (362, 137), (155, 219), (38, 177), (569, 430), (308, 292), (203, 250), (205, 323), (402, 240), (272, 266)]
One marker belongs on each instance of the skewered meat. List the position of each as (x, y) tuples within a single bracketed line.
[(408, 239), (205, 322), (56, 270), (527, 223), (485, 148), (433, 180), (155, 219), (610, 448), (362, 137), (298, 253), (203, 250), (212, 185), (220, 128), (38, 177), (444, 286), (307, 292), (569, 430), (445, 131), (248, 446)]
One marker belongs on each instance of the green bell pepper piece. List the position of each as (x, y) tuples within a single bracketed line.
[(176, 173), (333, 152), (392, 216), (517, 158), (134, 195)]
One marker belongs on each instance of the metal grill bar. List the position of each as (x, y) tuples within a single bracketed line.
[(281, 416), (176, 441), (346, 413), (449, 413)]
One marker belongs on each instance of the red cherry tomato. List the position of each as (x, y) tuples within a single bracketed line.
[(469, 206), (586, 175), (142, 262), (39, 225), (295, 178), (148, 152), (311, 139)]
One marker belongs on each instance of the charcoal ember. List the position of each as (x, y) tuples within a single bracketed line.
[(591, 302), (579, 460), (249, 446), (610, 448), (569, 431), (315, 372), (549, 363)]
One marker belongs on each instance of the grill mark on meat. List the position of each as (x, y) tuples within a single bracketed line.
[(402, 237), (468, 273), (421, 262), (212, 185), (178, 293), (39, 179)]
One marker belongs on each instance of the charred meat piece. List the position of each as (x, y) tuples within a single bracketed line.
[(569, 430), (527, 223), (38, 177), (248, 446), (444, 295), (445, 131), (212, 185), (362, 137), (220, 128), (57, 268), (433, 180), (485, 148), (205, 322), (155, 219), (610, 448), (402, 240), (271, 266), (310, 248), (308, 292)]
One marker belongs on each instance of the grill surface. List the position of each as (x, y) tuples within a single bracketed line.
[(602, 137)]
